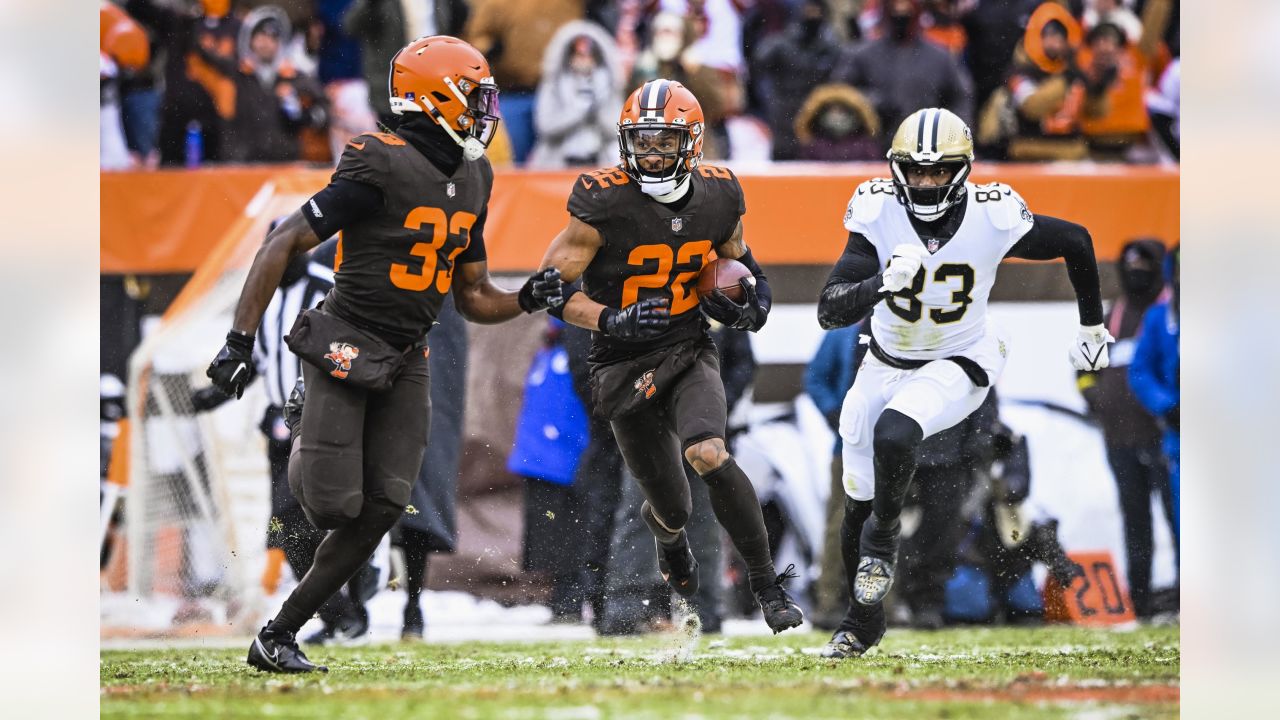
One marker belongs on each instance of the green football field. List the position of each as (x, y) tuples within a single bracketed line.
[(1053, 672)]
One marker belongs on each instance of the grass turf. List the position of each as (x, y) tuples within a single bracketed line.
[(988, 673)]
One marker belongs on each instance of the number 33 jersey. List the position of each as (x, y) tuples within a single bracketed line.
[(652, 250), (944, 310), (395, 266)]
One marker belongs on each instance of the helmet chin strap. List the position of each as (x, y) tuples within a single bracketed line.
[(472, 148), (665, 191)]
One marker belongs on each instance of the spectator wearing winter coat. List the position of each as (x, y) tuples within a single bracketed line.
[(1118, 127), (782, 84), (1130, 432), (199, 74), (837, 123), (514, 35), (902, 72), (275, 104), (1155, 375), (579, 100)]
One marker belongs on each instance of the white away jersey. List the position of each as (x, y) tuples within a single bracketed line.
[(944, 311)]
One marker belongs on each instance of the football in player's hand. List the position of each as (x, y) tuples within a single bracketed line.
[(725, 274)]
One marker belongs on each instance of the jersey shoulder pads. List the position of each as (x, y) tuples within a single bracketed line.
[(367, 158), (1005, 207), (722, 180), (592, 193), (867, 204)]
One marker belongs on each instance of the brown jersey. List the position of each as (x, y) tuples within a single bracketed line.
[(395, 267), (652, 250)]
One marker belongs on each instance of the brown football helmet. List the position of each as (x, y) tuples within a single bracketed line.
[(450, 81)]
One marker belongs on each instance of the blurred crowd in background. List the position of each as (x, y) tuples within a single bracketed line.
[(190, 82)]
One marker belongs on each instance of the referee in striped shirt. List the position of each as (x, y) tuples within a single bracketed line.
[(306, 281)]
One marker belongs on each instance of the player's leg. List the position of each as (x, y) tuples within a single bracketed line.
[(925, 402), (652, 454), (863, 625), (697, 405), (1134, 491), (393, 437)]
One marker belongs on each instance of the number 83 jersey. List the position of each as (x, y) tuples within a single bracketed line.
[(944, 310)]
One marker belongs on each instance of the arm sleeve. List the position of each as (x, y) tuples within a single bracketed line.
[(340, 204), (1143, 375), (763, 291), (476, 251), (1051, 238), (853, 287)]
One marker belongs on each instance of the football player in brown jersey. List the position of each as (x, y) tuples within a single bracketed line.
[(411, 206), (638, 234)]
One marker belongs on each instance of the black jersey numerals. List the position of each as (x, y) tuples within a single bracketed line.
[(906, 303), (688, 261), (442, 226)]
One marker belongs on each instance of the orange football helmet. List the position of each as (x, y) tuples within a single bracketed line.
[(661, 119), (450, 81)]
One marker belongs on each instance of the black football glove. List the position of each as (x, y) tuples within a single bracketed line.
[(636, 321), (233, 368), (542, 290), (750, 315), (207, 398)]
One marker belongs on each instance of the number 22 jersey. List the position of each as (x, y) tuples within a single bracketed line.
[(944, 310), (653, 250)]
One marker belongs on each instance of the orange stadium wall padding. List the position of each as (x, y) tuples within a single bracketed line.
[(167, 221)]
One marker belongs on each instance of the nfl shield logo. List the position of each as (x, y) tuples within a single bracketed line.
[(932, 244), (677, 224), (450, 190)]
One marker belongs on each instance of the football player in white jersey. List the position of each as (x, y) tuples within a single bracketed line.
[(921, 258)]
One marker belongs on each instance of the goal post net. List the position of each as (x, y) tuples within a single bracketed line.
[(197, 505)]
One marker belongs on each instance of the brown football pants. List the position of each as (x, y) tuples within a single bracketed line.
[(355, 458)]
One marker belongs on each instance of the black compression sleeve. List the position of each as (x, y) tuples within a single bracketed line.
[(1051, 238), (476, 251), (763, 292), (342, 203), (853, 287)]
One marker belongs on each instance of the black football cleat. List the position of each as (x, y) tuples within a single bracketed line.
[(278, 652), (415, 624), (780, 611), (844, 644), (874, 578), (678, 567)]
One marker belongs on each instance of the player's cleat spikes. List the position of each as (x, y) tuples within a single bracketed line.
[(780, 611), (874, 578), (678, 567), (278, 652), (844, 644)]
